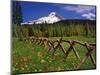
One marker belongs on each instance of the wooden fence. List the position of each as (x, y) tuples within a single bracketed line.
[(56, 45)]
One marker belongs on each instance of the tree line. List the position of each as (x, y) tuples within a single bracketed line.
[(60, 29)]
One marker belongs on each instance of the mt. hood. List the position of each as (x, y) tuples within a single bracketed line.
[(53, 17)]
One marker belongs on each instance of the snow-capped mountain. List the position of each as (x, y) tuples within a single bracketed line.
[(53, 17)]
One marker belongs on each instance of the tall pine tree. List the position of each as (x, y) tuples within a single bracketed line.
[(16, 13)]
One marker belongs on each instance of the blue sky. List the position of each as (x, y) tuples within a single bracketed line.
[(35, 10)]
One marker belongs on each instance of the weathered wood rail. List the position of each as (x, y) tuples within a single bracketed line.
[(46, 42)]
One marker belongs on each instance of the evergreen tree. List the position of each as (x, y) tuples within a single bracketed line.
[(16, 13)]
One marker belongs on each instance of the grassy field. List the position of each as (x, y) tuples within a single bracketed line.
[(28, 57)]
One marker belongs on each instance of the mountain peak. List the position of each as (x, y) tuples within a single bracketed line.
[(50, 19), (52, 14)]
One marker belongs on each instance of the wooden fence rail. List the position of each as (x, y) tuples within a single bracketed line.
[(46, 42)]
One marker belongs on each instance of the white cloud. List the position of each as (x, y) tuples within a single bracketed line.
[(89, 16), (79, 9), (85, 11)]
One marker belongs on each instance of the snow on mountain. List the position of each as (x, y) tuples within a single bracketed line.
[(50, 19)]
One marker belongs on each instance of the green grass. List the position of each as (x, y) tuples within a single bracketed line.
[(28, 57)]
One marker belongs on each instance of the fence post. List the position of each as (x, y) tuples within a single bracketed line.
[(90, 50)]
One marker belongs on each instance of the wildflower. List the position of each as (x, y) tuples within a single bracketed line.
[(42, 61)]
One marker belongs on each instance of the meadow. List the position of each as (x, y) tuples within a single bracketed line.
[(29, 57)]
